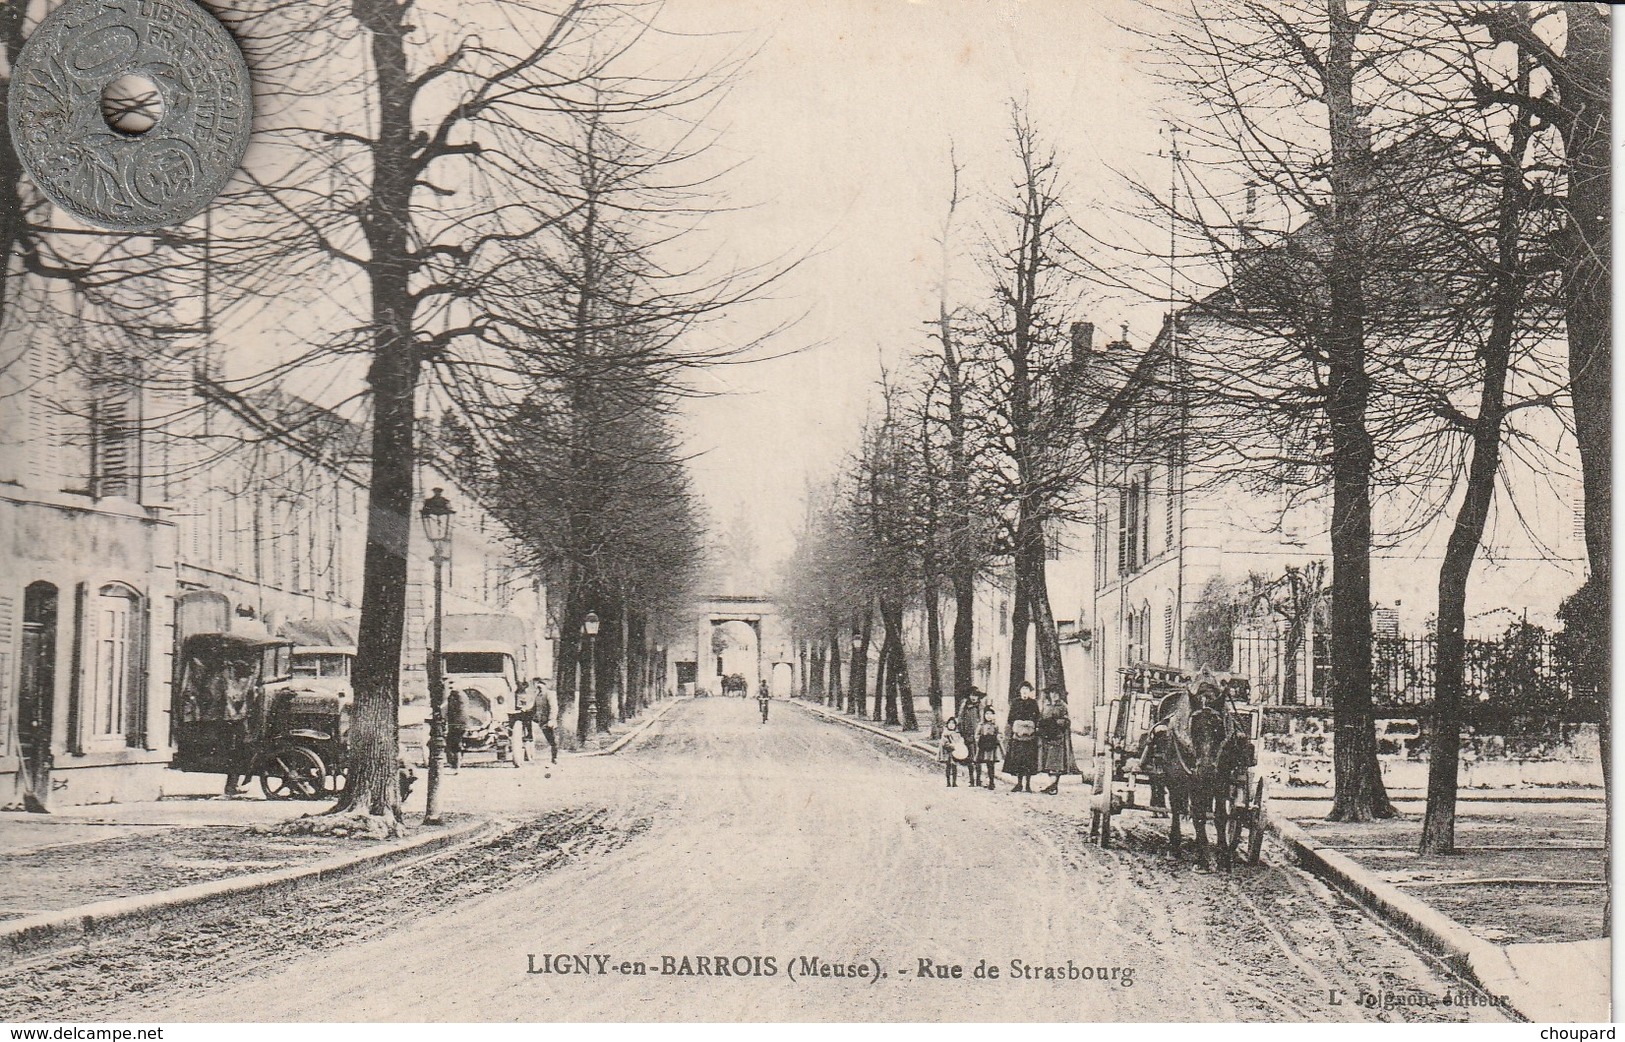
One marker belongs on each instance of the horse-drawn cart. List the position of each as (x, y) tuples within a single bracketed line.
[(1191, 741)]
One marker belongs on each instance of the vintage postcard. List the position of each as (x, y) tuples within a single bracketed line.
[(871, 510)]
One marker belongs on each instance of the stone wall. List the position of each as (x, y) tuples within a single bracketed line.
[(1296, 750)]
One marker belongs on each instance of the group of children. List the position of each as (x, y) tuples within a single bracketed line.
[(1037, 740), (977, 751)]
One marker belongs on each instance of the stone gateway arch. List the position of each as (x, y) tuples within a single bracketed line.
[(736, 634)]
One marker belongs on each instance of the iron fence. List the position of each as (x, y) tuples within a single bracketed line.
[(1524, 670)]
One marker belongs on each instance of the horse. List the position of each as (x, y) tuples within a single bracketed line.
[(1198, 772)]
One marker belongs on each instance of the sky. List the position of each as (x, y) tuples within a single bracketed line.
[(843, 124), (836, 139)]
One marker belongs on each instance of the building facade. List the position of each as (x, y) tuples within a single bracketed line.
[(119, 498)]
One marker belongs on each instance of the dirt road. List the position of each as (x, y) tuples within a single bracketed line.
[(797, 870)]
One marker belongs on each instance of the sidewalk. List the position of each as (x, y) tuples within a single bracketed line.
[(79, 856), (1521, 906), (1520, 909)]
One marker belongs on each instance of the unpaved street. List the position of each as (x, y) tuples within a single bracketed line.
[(759, 848)]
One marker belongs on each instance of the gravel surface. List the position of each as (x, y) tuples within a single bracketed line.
[(771, 851)]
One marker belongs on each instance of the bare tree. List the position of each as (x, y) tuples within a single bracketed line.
[(1023, 382)]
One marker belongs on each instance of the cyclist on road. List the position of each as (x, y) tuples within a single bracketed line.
[(762, 697)]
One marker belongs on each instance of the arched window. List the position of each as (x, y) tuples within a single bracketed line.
[(115, 698)]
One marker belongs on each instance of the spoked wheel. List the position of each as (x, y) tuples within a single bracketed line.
[(1100, 812), (293, 772), (1247, 822), (1255, 834)]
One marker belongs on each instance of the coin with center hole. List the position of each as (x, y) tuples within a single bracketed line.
[(130, 114)]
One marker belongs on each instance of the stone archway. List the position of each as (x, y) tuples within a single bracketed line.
[(736, 647), (699, 669)]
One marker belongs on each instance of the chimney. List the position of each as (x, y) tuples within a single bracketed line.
[(1083, 343), (1120, 345)]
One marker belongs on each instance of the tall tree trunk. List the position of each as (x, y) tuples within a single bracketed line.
[(933, 650), (902, 683), (372, 783), (835, 638), (857, 696), (961, 529), (885, 704), (1020, 620), (624, 666), (1507, 302), (1584, 83), (1046, 636), (964, 661), (1359, 794)]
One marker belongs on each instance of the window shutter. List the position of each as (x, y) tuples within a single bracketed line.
[(1168, 635), (8, 641), (138, 686), (83, 655), (1168, 534), (1145, 518), (44, 413), (1122, 532), (115, 447)]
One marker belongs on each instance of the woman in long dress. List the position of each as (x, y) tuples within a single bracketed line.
[(1055, 755), (1021, 732)]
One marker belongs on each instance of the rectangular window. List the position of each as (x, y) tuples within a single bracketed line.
[(1100, 549), (1168, 635), (1132, 526), (218, 524)]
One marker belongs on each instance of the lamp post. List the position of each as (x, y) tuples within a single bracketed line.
[(589, 630), (852, 686), (436, 517)]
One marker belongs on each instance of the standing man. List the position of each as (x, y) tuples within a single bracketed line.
[(519, 723), (761, 698), (544, 710), (456, 724)]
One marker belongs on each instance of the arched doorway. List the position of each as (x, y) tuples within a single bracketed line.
[(736, 647)]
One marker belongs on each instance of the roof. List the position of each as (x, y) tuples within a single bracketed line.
[(332, 633), (455, 647), (205, 642)]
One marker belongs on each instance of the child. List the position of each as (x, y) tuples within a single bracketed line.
[(987, 744), (952, 752)]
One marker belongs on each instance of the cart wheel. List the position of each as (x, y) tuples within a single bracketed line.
[(293, 772), (1240, 815), (1255, 839), (1100, 824)]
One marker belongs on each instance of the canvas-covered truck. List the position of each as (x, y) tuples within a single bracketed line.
[(484, 658)]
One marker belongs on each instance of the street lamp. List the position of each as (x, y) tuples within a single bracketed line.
[(436, 517), (852, 687), (589, 630)]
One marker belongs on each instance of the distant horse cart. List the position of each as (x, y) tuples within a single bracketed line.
[(1192, 742)]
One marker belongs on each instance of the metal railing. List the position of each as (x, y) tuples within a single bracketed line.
[(1526, 670)]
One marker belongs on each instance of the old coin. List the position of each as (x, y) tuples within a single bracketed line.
[(143, 169)]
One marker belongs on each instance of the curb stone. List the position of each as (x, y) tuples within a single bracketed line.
[(100, 917), (1478, 960), (624, 740)]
